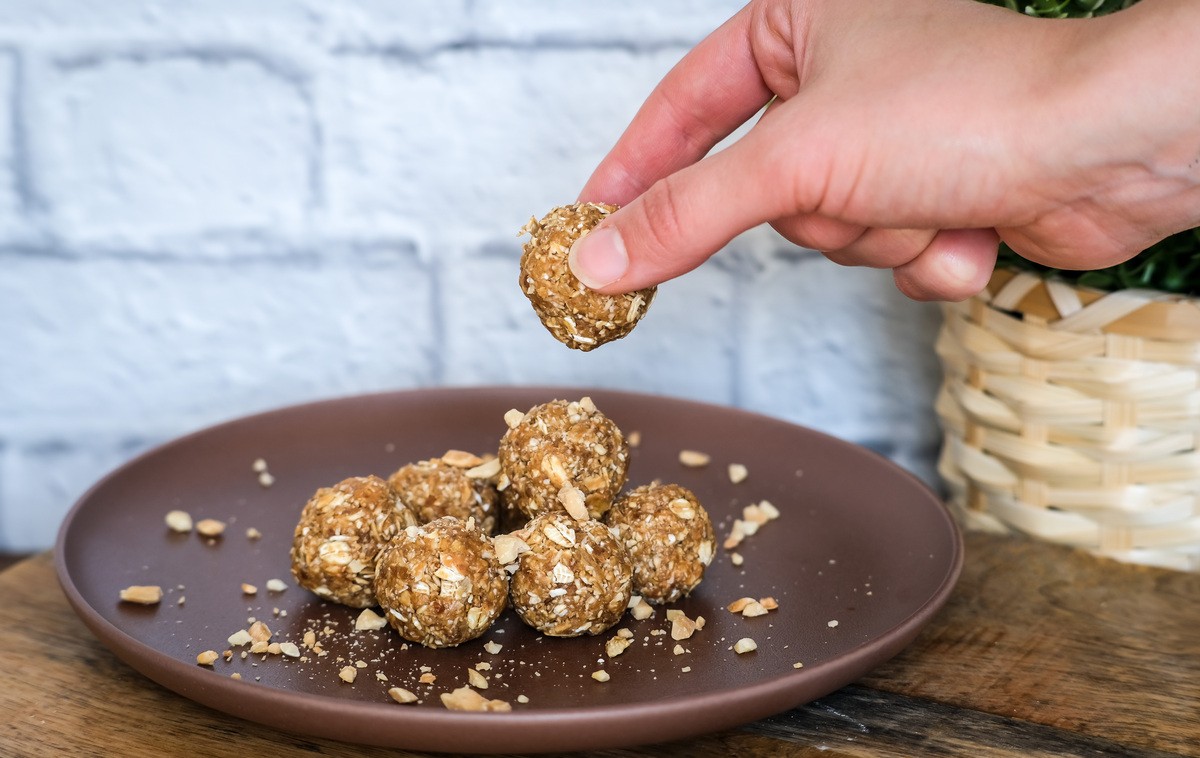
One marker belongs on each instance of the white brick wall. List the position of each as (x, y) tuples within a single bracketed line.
[(202, 205)]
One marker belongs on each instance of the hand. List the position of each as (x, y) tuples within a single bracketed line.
[(910, 135)]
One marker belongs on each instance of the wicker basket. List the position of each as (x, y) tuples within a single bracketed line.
[(1074, 416)]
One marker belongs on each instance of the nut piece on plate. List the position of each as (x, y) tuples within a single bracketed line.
[(434, 488), (558, 443), (578, 317), (574, 579), (669, 538), (341, 531), (441, 584)]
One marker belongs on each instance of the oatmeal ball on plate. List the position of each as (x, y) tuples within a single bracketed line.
[(669, 538), (441, 584), (559, 443), (435, 488), (341, 531), (573, 579), (578, 317)]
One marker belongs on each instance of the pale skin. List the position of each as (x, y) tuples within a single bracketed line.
[(911, 135)]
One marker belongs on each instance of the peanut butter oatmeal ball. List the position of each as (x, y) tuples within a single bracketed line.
[(575, 578), (435, 488), (441, 584), (669, 538), (341, 531), (578, 317), (560, 443)]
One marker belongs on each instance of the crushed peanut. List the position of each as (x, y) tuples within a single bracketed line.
[(461, 459), (289, 649), (601, 675), (210, 527), (348, 674), (467, 699), (485, 470), (150, 594), (276, 585), (738, 473), (754, 608), (769, 603), (512, 417), (265, 479), (744, 645), (259, 632), (477, 680), (427, 678), (738, 605), (253, 534), (207, 658), (369, 621), (259, 465), (572, 499), (249, 589), (736, 559), (179, 521), (616, 646), (493, 647), (240, 638), (401, 695), (682, 627), (642, 610), (694, 458)]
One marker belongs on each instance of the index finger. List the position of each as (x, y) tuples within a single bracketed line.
[(713, 90)]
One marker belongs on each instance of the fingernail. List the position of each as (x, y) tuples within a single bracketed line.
[(599, 258)]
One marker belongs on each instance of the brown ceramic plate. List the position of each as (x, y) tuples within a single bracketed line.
[(860, 542)]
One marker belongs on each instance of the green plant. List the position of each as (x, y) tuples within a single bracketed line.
[(1172, 265)]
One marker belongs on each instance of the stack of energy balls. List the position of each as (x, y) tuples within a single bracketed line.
[(573, 553)]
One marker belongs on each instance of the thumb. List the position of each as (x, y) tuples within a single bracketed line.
[(675, 225)]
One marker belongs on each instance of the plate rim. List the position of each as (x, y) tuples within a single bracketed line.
[(226, 695)]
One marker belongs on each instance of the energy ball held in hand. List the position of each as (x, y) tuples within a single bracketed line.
[(669, 537), (577, 316), (341, 531), (441, 584), (560, 443), (574, 579)]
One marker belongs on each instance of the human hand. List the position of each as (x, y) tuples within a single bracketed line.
[(910, 135)]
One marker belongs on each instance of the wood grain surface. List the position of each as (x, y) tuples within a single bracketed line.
[(1041, 651)]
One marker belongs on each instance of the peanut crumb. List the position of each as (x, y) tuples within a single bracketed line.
[(513, 417), (467, 699), (276, 585), (694, 458), (265, 479), (769, 603), (249, 589), (682, 628), (207, 658), (348, 674), (616, 646), (477, 680), (259, 465), (179, 521), (832, 623), (253, 534), (461, 459), (736, 558), (744, 645), (738, 605), (427, 678), (797, 665), (572, 500), (369, 621), (235, 675), (210, 527), (678, 650), (522, 699), (634, 438), (401, 695), (150, 594), (601, 675), (260, 632), (754, 608), (738, 473), (289, 649), (493, 647), (642, 610), (485, 470)]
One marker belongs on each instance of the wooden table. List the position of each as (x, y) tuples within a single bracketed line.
[(1041, 651)]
